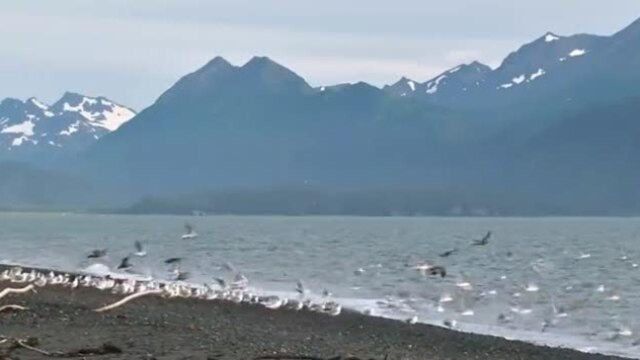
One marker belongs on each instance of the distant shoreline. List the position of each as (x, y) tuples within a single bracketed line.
[(125, 213)]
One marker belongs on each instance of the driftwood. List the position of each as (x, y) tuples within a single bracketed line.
[(12, 308), (305, 357), (288, 357), (31, 344), (127, 299), (23, 290)]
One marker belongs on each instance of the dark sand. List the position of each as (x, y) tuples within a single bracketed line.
[(62, 320)]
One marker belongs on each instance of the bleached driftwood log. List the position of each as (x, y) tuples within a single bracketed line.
[(127, 299), (23, 290), (12, 307)]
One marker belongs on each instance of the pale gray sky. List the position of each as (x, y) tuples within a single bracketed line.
[(132, 50)]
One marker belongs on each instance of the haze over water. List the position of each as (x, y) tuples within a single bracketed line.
[(564, 281)]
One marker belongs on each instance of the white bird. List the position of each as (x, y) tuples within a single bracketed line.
[(140, 251), (413, 320), (190, 234)]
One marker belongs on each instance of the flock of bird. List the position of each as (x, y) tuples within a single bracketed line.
[(457, 297), (234, 286), (235, 289)]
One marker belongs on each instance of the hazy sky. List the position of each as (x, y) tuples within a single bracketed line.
[(132, 50)]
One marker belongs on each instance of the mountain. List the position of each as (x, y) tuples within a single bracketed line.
[(449, 87), (31, 128), (260, 124), (552, 130)]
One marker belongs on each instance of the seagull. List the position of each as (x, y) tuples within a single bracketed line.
[(228, 267), (240, 282), (413, 320), (220, 282), (96, 254), (437, 270), (484, 241), (583, 256), (125, 264), (190, 233), (140, 251), (432, 270), (326, 293), (173, 260), (181, 275), (449, 252)]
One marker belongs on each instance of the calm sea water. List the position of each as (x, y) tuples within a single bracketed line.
[(560, 281)]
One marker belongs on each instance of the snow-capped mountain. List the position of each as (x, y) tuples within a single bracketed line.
[(72, 123), (403, 87), (449, 85), (531, 63), (545, 55)]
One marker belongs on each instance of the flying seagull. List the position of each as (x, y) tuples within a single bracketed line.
[(181, 275), (96, 254), (140, 251), (449, 253), (229, 267), (190, 234), (484, 241), (173, 260), (300, 287), (220, 282), (125, 264)]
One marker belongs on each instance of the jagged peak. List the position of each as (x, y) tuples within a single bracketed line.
[(70, 97), (272, 72), (404, 81), (218, 63), (262, 63), (479, 66), (35, 101), (550, 37)]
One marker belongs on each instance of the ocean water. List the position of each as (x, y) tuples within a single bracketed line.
[(571, 282)]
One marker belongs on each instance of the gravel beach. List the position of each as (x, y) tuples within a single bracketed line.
[(61, 321)]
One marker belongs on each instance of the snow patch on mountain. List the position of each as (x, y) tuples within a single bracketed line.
[(537, 74), (75, 120), (577, 52), (101, 112), (551, 37), (432, 86), (519, 79), (24, 128)]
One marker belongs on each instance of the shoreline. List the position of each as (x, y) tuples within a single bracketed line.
[(62, 319)]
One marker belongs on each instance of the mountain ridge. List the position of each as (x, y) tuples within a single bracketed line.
[(260, 125), (73, 122)]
